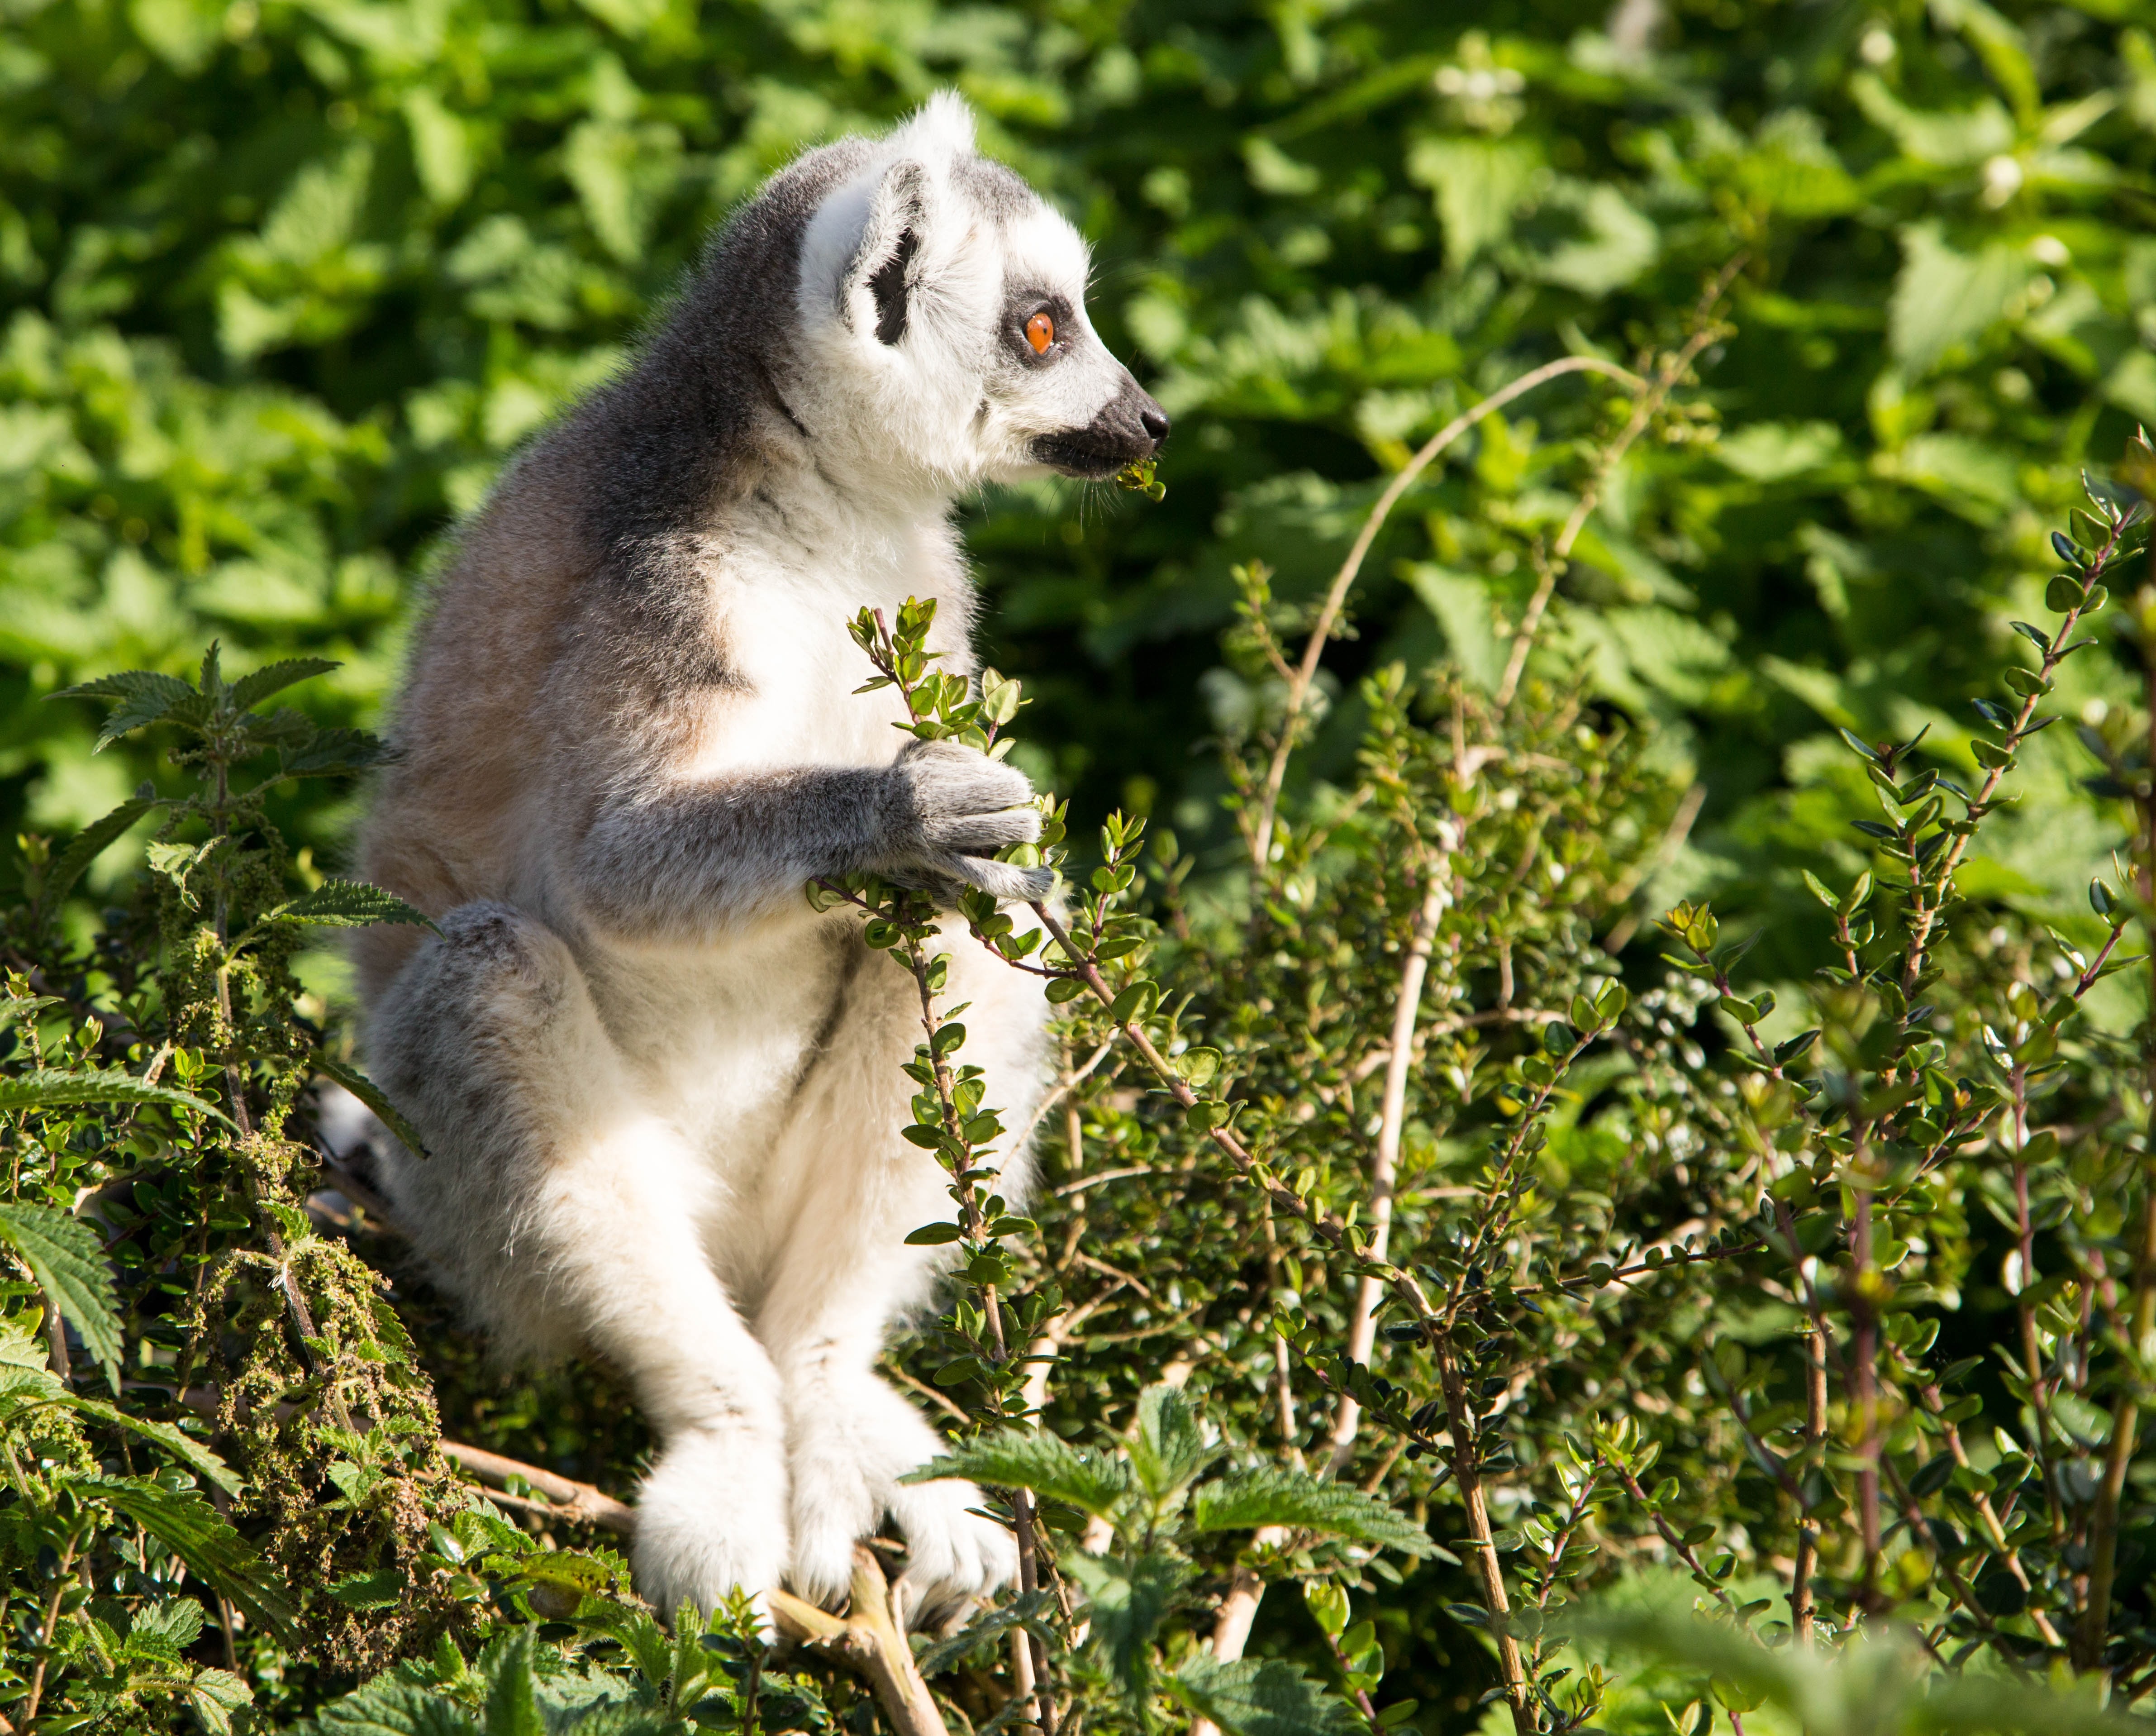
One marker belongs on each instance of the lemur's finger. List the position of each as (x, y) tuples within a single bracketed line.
[(1006, 882), (975, 835)]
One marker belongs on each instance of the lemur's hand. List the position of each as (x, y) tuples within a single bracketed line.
[(952, 808)]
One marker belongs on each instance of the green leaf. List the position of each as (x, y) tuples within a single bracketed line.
[(330, 753), (1167, 1448), (1943, 298), (1036, 1460), (86, 846), (512, 1704), (369, 1093), (67, 1258), (376, 1591), (388, 1705), (934, 1236), (350, 904), (143, 696), (72, 1088), (1273, 1495), (1129, 1599), (215, 1695), (189, 1451), (251, 689), (1028, 1606), (189, 1526), (1254, 1697)]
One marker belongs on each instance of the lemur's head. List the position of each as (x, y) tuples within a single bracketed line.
[(941, 309)]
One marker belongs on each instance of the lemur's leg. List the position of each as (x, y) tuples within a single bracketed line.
[(849, 1191), (563, 1213)]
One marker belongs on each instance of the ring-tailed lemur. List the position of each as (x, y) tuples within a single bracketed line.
[(661, 1094)]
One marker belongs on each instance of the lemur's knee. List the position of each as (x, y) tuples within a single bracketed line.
[(492, 973), (492, 946)]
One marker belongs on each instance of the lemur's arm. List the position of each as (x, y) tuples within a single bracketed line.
[(684, 858)]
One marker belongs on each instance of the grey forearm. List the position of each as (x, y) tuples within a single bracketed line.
[(687, 860)]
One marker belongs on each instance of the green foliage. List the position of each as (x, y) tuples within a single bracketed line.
[(284, 286), (1409, 1196)]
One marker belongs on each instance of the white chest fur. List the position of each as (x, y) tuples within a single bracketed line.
[(781, 617)]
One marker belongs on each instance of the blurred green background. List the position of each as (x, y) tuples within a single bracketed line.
[(283, 284)]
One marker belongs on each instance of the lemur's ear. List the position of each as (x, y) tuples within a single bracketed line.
[(889, 240), (887, 283)]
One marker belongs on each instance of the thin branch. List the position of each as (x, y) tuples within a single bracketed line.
[(870, 1639), (1064, 1086), (565, 1498), (1363, 1327), (1328, 615), (1650, 399)]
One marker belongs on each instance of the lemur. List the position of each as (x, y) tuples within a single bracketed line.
[(660, 1094)]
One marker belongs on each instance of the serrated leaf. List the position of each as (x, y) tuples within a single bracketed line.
[(350, 904), (1260, 1697), (190, 1528), (1028, 1606), (512, 1704), (215, 1695), (142, 696), (376, 1591), (74, 1087), (327, 753), (67, 1258), (189, 1451), (87, 845), (250, 690), (369, 1093), (1273, 1495), (1167, 1448), (390, 1706), (1128, 1600), (1044, 1463)]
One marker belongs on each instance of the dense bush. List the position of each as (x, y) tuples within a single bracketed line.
[(1429, 1219)]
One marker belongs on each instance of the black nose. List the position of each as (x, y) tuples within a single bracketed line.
[(1154, 420)]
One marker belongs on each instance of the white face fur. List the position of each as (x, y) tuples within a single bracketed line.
[(928, 283)]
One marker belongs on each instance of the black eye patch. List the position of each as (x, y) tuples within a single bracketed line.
[(887, 284)]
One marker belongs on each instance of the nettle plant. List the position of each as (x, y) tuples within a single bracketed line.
[(155, 1217)]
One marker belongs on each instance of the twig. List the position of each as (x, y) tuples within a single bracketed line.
[(47, 1644), (1650, 400), (1620, 895), (1363, 1327), (869, 1639), (578, 1503), (1305, 672), (2125, 1429), (942, 1400), (1466, 1473), (1064, 1086)]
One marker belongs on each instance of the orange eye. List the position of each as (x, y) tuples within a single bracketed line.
[(1040, 332)]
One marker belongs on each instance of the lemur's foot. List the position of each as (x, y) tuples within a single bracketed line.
[(954, 1553), (847, 1457), (711, 1517)]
